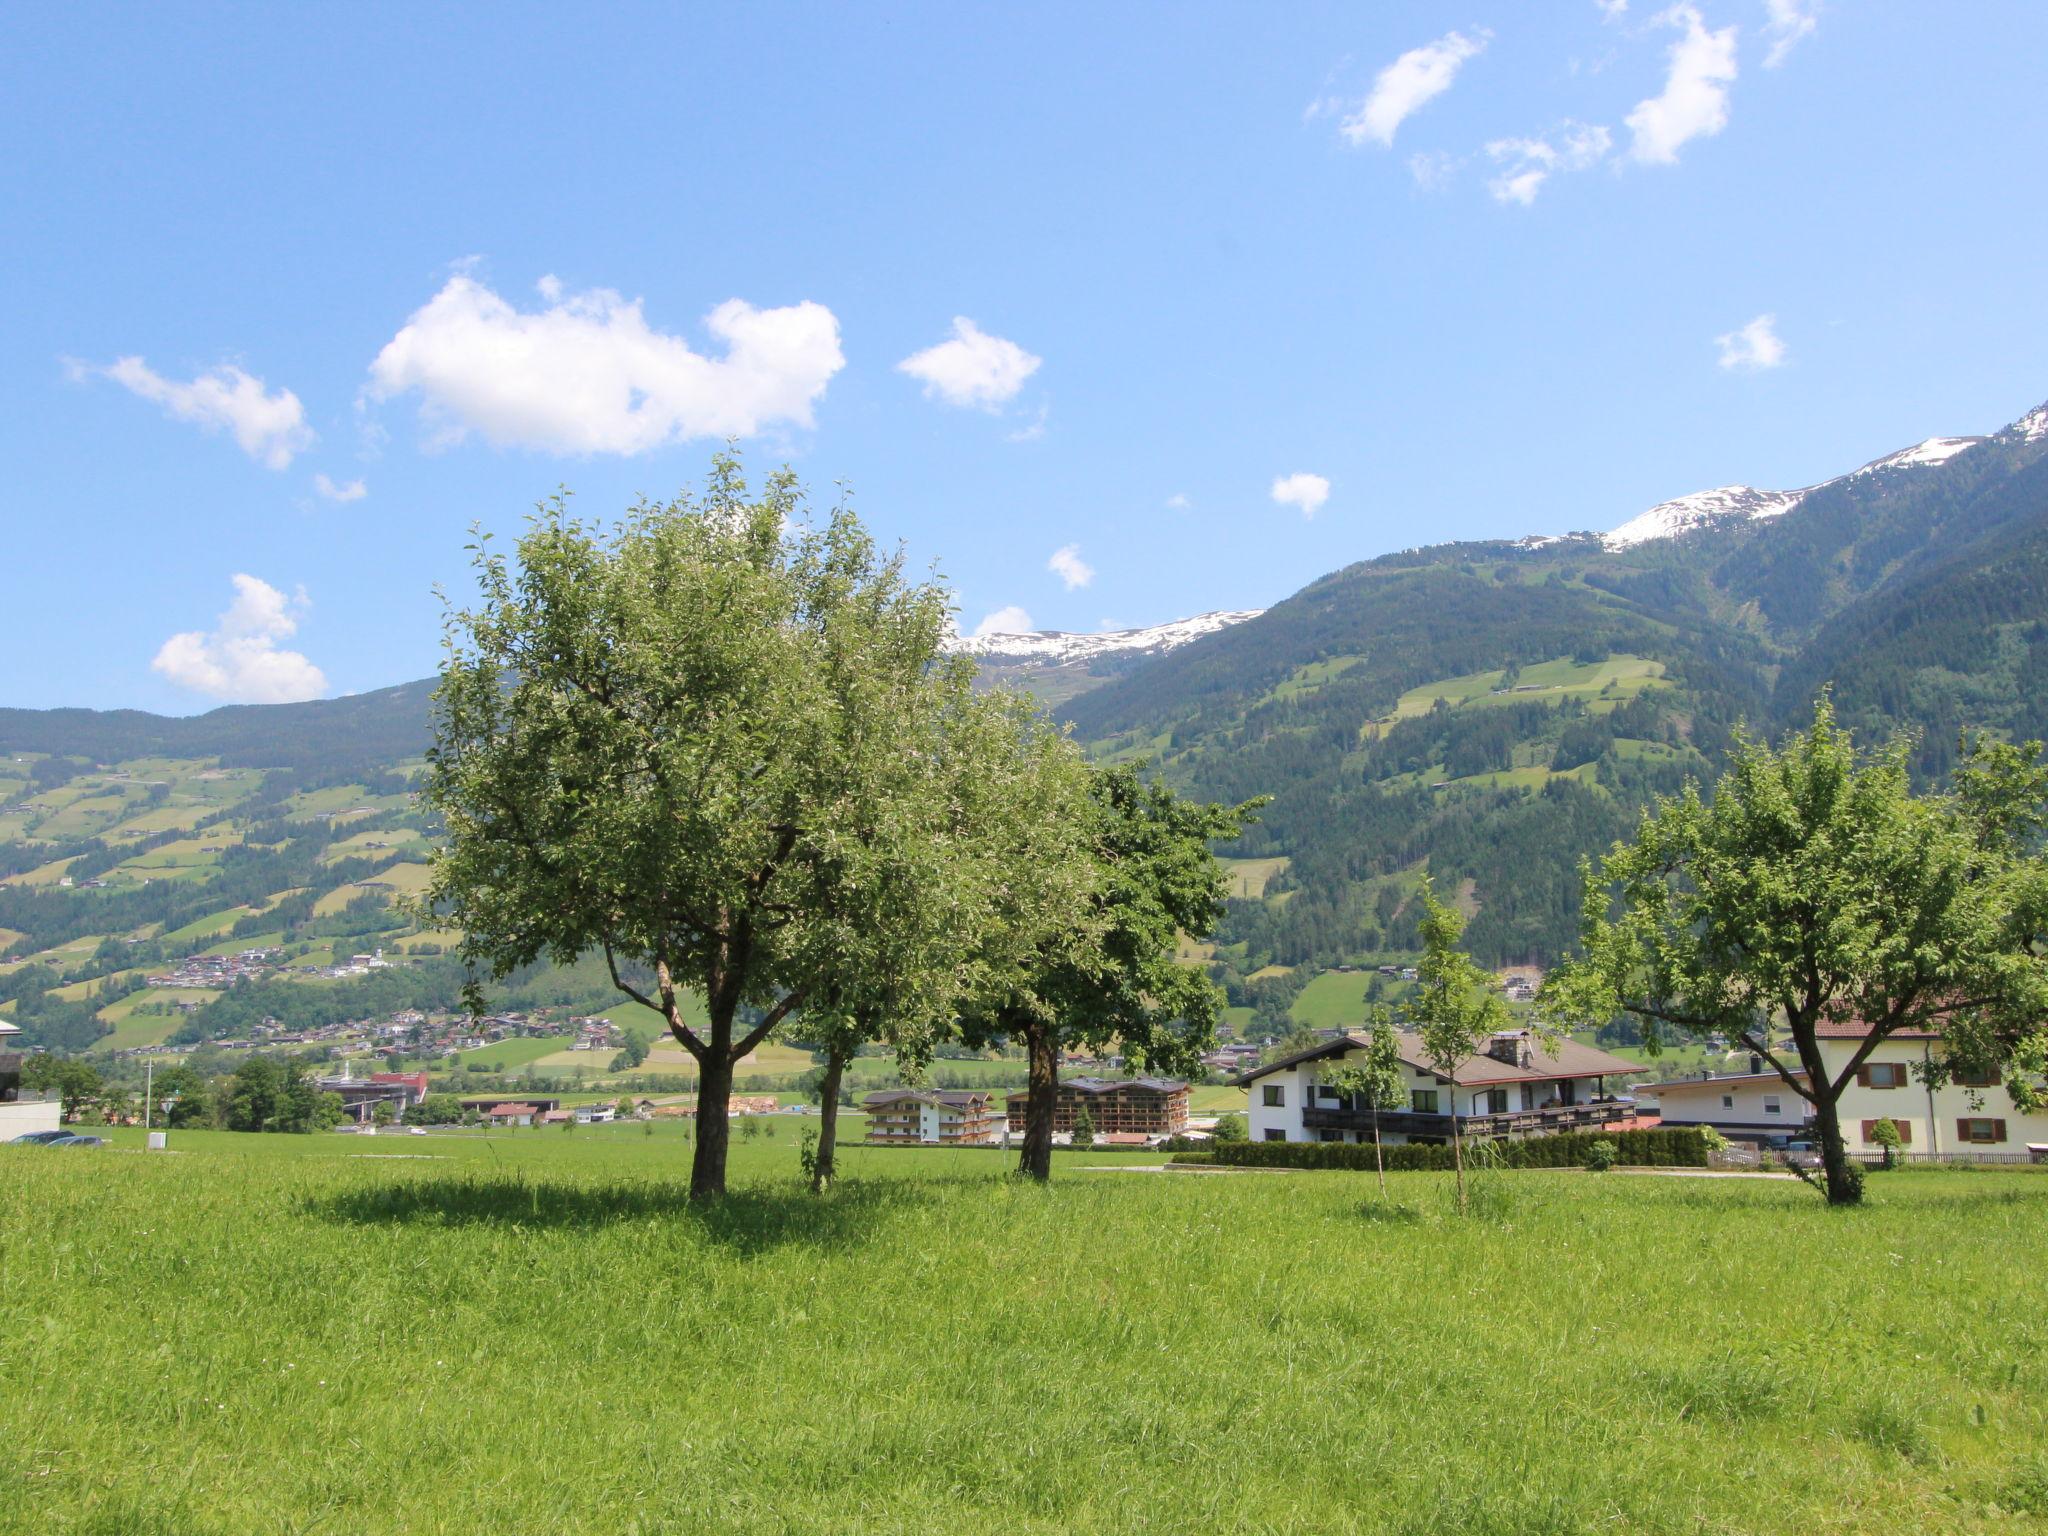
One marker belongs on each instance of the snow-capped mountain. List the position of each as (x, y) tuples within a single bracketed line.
[(1059, 648), (1745, 503)]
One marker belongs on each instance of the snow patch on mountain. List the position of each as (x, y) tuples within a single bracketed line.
[(1745, 503), (2033, 426), (1936, 450), (1669, 519), (1055, 647)]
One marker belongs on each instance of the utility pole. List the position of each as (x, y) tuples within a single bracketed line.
[(148, 1084)]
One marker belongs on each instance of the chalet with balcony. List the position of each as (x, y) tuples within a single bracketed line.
[(1145, 1106), (22, 1111), (917, 1117), (1514, 1087)]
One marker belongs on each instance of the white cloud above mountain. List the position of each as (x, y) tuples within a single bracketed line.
[(1753, 347), (972, 369), (1067, 564), (268, 425), (1694, 101), (1408, 84), (1302, 490), (1004, 621), (240, 660), (587, 374)]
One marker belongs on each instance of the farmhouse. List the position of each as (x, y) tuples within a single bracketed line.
[(1969, 1118), (1514, 1087), (1149, 1106), (513, 1114), (910, 1116)]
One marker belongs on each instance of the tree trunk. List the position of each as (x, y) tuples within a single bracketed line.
[(828, 1121), (1043, 1099), (1457, 1149), (1843, 1188), (714, 1130), (1379, 1160)]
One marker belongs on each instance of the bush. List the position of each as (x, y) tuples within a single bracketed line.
[(1600, 1155), (1231, 1128), (1663, 1147)]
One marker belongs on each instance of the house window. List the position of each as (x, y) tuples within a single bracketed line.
[(1273, 1096), (1496, 1101), (1275, 1135), (1727, 1101), (1773, 1105), (1988, 1078), (1981, 1133), (1423, 1101), (1882, 1074), (1329, 1136), (1905, 1129)]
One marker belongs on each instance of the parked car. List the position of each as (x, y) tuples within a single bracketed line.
[(41, 1138), (77, 1141)]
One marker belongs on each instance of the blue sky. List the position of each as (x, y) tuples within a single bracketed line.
[(1215, 298)]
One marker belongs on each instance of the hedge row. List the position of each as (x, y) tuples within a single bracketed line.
[(1665, 1147)]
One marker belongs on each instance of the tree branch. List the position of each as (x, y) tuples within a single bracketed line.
[(776, 1015)]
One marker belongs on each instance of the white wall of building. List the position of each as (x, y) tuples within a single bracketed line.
[(1767, 1104), (24, 1117)]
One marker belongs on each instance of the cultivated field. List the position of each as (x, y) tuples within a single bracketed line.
[(532, 1333)]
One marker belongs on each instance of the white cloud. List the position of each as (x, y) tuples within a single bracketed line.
[(1067, 564), (1790, 21), (353, 490), (1754, 347), (1004, 621), (973, 369), (1694, 101), (1433, 169), (1305, 491), (239, 660), (1527, 163), (1417, 77), (1034, 429), (270, 427), (1179, 502), (1612, 10), (589, 375)]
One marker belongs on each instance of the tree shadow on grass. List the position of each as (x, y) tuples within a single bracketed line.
[(749, 1220)]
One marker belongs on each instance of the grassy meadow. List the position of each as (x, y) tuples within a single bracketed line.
[(411, 1334)]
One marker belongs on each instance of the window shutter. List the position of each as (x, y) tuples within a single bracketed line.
[(1869, 1130), (1905, 1132), (1863, 1075), (1962, 1130), (1998, 1130)]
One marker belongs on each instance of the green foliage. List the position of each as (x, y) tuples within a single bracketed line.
[(1084, 1127), (1886, 1134), (76, 1083), (272, 1093), (1601, 1155), (1230, 1128), (1817, 886)]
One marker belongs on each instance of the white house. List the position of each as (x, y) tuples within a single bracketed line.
[(22, 1113), (1514, 1087), (1970, 1117)]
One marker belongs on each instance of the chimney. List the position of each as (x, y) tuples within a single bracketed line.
[(1512, 1046)]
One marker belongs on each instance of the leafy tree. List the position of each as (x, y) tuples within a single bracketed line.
[(1376, 1081), (254, 1094), (1084, 1127), (185, 1093), (383, 1113), (1231, 1128), (634, 1046), (623, 1109), (76, 1083), (1456, 1006), (1817, 888), (1083, 954), (1886, 1134), (907, 888), (651, 742)]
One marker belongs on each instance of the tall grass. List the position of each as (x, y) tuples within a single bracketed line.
[(536, 1333)]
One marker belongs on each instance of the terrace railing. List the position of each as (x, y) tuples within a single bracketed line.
[(1512, 1123)]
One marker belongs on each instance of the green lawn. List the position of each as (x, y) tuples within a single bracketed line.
[(400, 1334), (1334, 1000), (507, 1055), (1601, 684)]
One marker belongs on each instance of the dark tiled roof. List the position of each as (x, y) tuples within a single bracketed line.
[(1567, 1059)]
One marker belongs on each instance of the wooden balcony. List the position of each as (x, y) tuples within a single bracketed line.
[(1513, 1123)]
